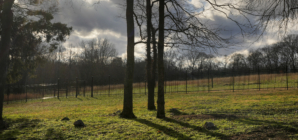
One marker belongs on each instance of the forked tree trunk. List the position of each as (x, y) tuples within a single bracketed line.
[(127, 111), (151, 105), (6, 20), (160, 99)]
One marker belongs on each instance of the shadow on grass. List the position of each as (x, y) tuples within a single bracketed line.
[(177, 112), (53, 134), (197, 128), (265, 113), (79, 99), (15, 125), (164, 129), (266, 122), (95, 98)]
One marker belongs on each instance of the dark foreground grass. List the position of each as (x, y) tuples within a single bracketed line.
[(270, 114)]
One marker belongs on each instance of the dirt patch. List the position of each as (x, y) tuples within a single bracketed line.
[(206, 116), (267, 132)]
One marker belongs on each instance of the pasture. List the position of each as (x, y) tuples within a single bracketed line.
[(242, 114)]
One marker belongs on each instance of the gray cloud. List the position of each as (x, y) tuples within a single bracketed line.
[(91, 21), (102, 21)]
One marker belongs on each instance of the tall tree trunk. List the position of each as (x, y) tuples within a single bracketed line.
[(6, 20), (161, 100), (151, 105), (154, 56), (127, 111)]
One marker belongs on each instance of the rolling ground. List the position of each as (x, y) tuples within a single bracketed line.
[(243, 114)]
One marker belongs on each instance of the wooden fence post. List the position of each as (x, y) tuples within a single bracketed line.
[(58, 87), (7, 93), (109, 84), (26, 90), (145, 86), (77, 87), (92, 87), (186, 82), (84, 88), (287, 76), (259, 81), (66, 87), (233, 80)]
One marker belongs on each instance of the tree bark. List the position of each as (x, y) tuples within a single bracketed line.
[(127, 111), (161, 100), (6, 20), (154, 56), (151, 105)]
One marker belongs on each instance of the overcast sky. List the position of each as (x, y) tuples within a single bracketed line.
[(103, 20)]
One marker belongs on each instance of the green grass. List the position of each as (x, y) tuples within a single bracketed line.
[(240, 113)]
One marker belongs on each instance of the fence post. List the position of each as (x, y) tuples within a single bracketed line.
[(198, 81), (66, 87), (58, 87), (287, 76), (233, 80), (54, 92), (248, 78), (208, 79), (92, 87), (84, 87), (43, 89), (145, 86), (211, 76), (109, 84), (186, 82), (26, 89), (276, 71), (8, 93), (259, 78), (76, 87), (139, 85), (165, 83), (296, 75)]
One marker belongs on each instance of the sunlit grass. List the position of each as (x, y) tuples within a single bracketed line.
[(41, 119)]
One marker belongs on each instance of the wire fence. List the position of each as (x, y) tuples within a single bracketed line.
[(199, 81)]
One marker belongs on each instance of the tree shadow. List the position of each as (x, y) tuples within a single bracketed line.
[(15, 125), (176, 112), (95, 98), (266, 122), (164, 129), (197, 128), (241, 116), (79, 99), (53, 134)]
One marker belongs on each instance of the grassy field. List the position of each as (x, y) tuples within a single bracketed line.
[(249, 114)]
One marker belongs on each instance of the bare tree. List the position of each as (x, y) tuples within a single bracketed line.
[(161, 37), (277, 12), (271, 56), (150, 71), (290, 48), (255, 59), (192, 56), (238, 61), (6, 20), (127, 111)]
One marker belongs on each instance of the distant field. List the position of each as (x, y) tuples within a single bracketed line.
[(256, 82), (243, 114)]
